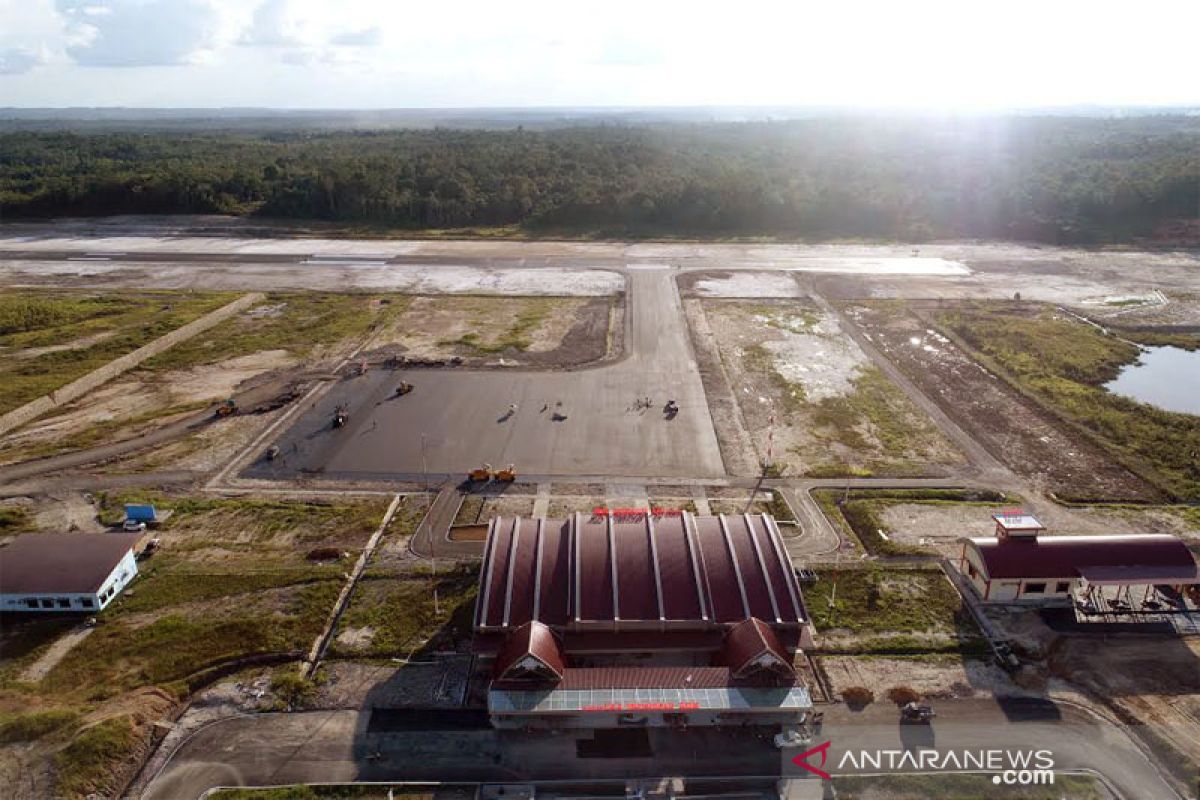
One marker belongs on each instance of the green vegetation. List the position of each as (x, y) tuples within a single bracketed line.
[(861, 510), (875, 416), (72, 333), (1052, 179), (33, 725), (399, 610), (1061, 363), (85, 765), (325, 792), (296, 322), (949, 786), (293, 689), (893, 609), (493, 339), (15, 519)]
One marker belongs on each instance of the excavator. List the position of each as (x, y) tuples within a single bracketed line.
[(508, 474), (483, 473), (227, 408)]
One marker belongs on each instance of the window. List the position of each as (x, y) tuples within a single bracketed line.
[(64, 602), (1035, 588), (86, 602), (47, 603), (1062, 587), (31, 602)]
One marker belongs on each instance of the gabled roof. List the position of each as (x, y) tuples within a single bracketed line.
[(530, 653), (61, 563), (599, 572), (751, 648), (1065, 557)]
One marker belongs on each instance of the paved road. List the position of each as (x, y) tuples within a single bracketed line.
[(465, 413), (337, 746)]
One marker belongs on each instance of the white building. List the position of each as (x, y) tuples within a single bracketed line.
[(64, 573), (1021, 565)]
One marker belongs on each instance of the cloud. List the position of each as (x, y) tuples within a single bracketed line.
[(623, 50), (18, 60), (274, 25), (138, 33), (367, 37)]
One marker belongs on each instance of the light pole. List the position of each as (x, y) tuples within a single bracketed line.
[(432, 533)]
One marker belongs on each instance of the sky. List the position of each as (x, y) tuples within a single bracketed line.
[(956, 55)]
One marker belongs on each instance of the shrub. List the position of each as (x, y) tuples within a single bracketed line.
[(858, 697), (902, 695), (293, 689)]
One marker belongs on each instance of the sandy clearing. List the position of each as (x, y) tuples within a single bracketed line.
[(748, 284), (933, 678), (821, 358)]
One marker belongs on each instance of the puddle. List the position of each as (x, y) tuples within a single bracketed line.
[(1167, 377)]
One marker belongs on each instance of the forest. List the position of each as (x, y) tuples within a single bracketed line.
[(1045, 179)]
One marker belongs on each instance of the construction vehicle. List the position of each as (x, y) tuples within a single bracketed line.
[(483, 473), (913, 713), (403, 389), (340, 416), (227, 409), (508, 474)]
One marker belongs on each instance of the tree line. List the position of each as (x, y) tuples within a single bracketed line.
[(1050, 179)]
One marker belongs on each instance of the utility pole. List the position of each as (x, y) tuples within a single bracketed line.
[(766, 464), (437, 610)]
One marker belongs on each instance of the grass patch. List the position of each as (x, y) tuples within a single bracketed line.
[(490, 340), (34, 725), (963, 787), (15, 519), (903, 608), (1062, 363), (120, 656), (303, 322), (104, 326), (326, 792), (86, 764), (399, 610), (862, 510)]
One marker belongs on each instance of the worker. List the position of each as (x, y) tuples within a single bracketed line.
[(512, 408)]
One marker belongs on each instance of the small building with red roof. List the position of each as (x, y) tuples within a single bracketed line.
[(1022, 565)]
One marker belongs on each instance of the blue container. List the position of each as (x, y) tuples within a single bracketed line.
[(139, 513)]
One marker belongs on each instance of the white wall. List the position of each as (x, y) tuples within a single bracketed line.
[(118, 579)]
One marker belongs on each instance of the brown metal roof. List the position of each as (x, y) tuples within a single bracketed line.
[(584, 678), (61, 563), (533, 640), (1064, 556), (751, 647), (599, 572)]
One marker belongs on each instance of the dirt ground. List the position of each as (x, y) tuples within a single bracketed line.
[(142, 393), (504, 331), (805, 391), (931, 676), (940, 526), (1025, 438), (1156, 680)]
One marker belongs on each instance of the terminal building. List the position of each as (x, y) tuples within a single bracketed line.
[(603, 622)]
